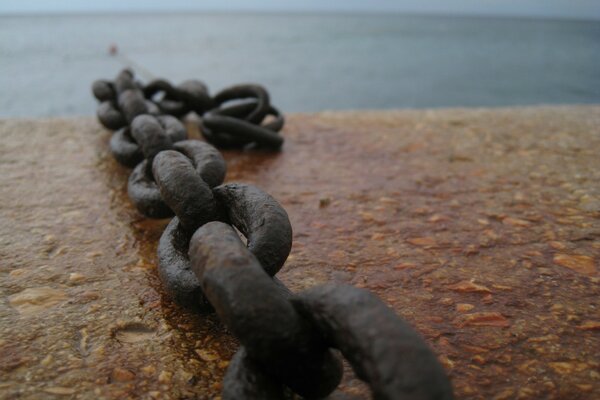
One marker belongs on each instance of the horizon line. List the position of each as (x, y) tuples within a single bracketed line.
[(465, 14)]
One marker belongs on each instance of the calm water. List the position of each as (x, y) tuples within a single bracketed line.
[(309, 62)]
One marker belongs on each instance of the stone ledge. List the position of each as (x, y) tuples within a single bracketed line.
[(481, 227)]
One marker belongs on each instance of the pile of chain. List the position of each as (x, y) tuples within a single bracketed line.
[(290, 343)]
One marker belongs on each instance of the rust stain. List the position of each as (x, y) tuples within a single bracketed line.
[(464, 221), (483, 319), (579, 263), (469, 287)]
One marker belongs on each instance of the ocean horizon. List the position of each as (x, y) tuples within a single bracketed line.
[(392, 13), (309, 61)]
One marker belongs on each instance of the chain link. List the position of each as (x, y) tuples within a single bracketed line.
[(288, 340)]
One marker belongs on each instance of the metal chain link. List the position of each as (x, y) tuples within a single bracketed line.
[(287, 339)]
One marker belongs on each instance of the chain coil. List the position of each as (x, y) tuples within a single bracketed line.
[(289, 342)]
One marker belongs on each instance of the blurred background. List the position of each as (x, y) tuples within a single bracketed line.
[(311, 55)]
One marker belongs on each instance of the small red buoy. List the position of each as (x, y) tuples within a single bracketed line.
[(113, 49)]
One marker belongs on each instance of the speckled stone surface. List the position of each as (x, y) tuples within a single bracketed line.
[(480, 227)]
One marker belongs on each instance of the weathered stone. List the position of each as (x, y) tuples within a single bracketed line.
[(65, 211), (34, 300), (483, 319), (578, 263)]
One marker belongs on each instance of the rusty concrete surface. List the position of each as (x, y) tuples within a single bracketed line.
[(481, 227)]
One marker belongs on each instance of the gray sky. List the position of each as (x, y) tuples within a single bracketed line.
[(589, 9)]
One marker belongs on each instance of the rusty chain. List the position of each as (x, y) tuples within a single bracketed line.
[(290, 343)]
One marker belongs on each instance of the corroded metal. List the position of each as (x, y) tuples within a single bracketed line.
[(207, 160), (229, 131), (268, 326), (236, 121), (174, 268), (149, 133), (173, 127), (261, 219), (132, 103), (239, 110), (124, 81), (195, 94), (144, 193), (157, 86), (184, 190), (239, 92), (245, 379), (243, 108), (177, 108), (176, 101), (204, 264), (126, 150), (156, 134), (110, 116), (383, 350), (103, 90)]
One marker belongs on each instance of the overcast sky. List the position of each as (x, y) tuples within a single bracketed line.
[(541, 8)]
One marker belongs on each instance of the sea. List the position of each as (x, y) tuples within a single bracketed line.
[(309, 62)]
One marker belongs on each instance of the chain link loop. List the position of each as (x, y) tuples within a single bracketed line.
[(382, 349), (175, 271), (184, 191), (259, 315), (288, 340), (261, 219)]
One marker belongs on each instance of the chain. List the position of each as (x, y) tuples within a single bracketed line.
[(290, 343)]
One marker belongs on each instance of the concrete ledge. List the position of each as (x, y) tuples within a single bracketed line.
[(481, 227)]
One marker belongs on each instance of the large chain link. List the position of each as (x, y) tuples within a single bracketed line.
[(287, 339)]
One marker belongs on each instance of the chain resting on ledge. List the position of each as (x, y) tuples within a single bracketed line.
[(290, 343)]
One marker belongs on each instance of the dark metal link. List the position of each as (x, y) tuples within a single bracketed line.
[(174, 268), (216, 128), (261, 219), (223, 140), (122, 100), (124, 81), (103, 90), (207, 160), (151, 136), (195, 95), (126, 150), (159, 85), (259, 314), (246, 380), (132, 103), (173, 107), (287, 340), (242, 108), (239, 109), (177, 189), (110, 116), (238, 92), (173, 127), (144, 193), (383, 350), (170, 103), (184, 190)]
